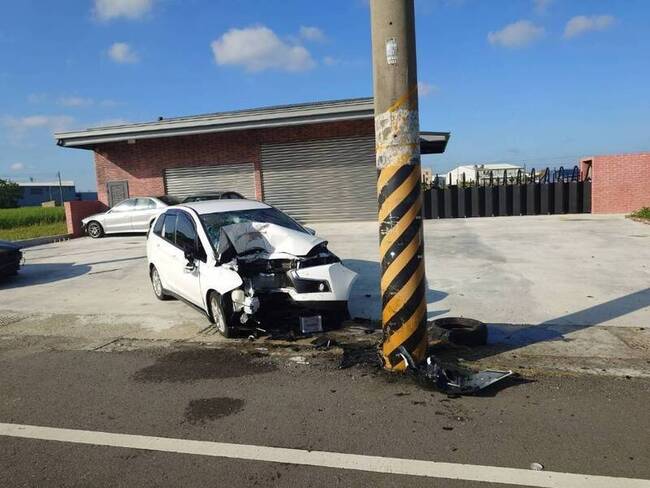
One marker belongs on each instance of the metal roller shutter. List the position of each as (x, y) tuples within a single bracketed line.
[(322, 181), (182, 182)]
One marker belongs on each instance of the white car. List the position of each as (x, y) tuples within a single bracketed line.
[(242, 262), (130, 215)]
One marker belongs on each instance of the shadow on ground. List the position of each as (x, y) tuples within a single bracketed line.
[(509, 337)]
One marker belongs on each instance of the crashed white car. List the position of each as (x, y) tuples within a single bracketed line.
[(242, 262)]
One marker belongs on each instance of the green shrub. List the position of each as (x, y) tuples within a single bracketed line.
[(643, 213), (25, 216)]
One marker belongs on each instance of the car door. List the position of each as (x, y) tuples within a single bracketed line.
[(118, 219), (187, 275), (179, 234), (143, 211)]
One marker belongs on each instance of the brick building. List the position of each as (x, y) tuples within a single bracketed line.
[(316, 161), (620, 182)]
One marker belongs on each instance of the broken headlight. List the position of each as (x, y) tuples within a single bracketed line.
[(318, 256)]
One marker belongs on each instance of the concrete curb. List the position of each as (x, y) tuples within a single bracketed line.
[(41, 240)]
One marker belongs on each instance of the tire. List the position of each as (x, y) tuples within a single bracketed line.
[(460, 331), (95, 229), (156, 284), (219, 315)]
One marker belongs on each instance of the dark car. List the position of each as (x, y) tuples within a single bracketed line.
[(10, 257), (214, 195)]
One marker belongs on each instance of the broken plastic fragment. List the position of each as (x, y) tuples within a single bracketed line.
[(452, 380)]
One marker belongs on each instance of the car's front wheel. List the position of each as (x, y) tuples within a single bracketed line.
[(219, 314), (95, 230), (156, 283)]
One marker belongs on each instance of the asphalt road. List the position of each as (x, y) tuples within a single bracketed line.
[(586, 424)]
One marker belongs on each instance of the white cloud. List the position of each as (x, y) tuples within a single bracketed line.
[(258, 48), (122, 52), (580, 24), (17, 167), (19, 125), (312, 34), (128, 9), (75, 102), (425, 89), (516, 35), (541, 6)]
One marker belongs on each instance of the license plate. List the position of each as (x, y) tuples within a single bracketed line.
[(311, 324)]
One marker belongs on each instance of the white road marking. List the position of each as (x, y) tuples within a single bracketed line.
[(375, 464)]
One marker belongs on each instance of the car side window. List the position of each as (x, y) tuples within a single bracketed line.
[(158, 228), (125, 206), (169, 232), (185, 233), (144, 204)]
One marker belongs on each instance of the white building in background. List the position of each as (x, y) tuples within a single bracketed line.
[(481, 173)]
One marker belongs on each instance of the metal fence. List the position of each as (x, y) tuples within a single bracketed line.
[(548, 192)]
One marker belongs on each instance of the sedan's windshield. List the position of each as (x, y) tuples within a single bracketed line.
[(215, 221)]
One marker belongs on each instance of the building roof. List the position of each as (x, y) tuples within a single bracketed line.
[(489, 167), (46, 183), (258, 118)]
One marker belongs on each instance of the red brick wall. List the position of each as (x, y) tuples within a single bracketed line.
[(620, 183), (142, 164), (75, 211)]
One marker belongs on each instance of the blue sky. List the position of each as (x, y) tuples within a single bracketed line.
[(532, 81)]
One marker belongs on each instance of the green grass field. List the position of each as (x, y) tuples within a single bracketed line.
[(31, 222)]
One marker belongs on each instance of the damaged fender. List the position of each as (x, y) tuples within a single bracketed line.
[(222, 279)]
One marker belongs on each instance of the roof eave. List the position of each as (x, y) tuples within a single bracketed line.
[(87, 140)]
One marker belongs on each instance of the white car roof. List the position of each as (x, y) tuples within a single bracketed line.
[(226, 205)]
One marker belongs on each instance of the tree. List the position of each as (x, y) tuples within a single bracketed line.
[(10, 193)]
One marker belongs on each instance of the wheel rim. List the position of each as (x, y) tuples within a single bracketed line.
[(93, 230), (217, 314), (157, 284)]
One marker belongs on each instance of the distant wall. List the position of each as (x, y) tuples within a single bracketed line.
[(75, 211), (33, 196), (620, 182)]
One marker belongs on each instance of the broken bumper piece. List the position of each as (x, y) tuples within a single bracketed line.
[(452, 380)]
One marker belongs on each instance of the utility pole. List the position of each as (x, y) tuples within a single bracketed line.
[(58, 174), (397, 138)]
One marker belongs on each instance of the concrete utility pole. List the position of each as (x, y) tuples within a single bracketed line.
[(397, 136)]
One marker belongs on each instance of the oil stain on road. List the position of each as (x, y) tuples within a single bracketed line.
[(188, 365), (207, 409)]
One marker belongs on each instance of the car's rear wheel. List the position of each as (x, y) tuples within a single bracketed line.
[(95, 230), (156, 283), (219, 315)]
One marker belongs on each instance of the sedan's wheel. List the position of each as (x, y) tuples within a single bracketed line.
[(219, 316), (158, 289), (95, 230)]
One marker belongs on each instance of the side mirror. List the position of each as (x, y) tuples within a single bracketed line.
[(310, 230), (190, 257)]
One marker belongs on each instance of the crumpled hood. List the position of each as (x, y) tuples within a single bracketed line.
[(272, 238)]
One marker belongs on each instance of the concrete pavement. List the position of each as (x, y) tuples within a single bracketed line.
[(559, 292)]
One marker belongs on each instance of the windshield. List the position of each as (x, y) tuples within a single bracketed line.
[(215, 221)]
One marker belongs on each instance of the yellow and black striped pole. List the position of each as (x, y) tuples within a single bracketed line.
[(397, 136)]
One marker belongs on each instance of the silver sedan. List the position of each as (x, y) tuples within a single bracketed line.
[(130, 215)]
